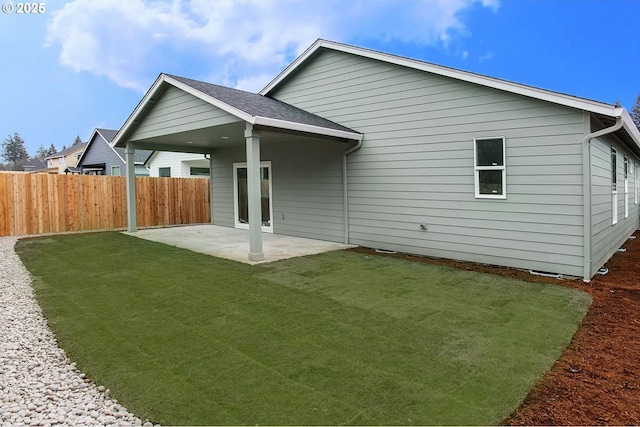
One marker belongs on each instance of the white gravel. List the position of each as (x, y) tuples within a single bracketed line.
[(39, 385)]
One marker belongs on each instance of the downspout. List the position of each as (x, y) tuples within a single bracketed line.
[(344, 188), (586, 184)]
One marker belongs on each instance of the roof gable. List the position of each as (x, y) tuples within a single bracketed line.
[(588, 105), (99, 136), (250, 107)]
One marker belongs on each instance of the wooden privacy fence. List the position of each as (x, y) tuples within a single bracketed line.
[(44, 203)]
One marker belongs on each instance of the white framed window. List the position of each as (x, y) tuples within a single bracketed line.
[(164, 172), (626, 187), (614, 186), (115, 170), (637, 182), (490, 169)]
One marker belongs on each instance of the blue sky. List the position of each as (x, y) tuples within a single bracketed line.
[(87, 63)]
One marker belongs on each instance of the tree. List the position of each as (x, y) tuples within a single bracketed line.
[(77, 141), (635, 112), (45, 152), (14, 152)]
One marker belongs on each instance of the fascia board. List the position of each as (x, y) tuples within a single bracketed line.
[(629, 126), (119, 140), (242, 115), (291, 67), (300, 127), (529, 91)]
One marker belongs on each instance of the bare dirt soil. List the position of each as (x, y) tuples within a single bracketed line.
[(596, 381)]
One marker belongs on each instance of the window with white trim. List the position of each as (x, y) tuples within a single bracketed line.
[(636, 181), (490, 168), (626, 187), (115, 170), (164, 172), (614, 186)]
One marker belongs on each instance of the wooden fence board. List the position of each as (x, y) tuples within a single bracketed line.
[(43, 203)]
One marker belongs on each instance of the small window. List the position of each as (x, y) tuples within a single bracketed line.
[(490, 169), (614, 171), (164, 172), (626, 187), (199, 171), (636, 181), (115, 170)]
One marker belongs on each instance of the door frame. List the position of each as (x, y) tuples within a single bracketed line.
[(240, 165)]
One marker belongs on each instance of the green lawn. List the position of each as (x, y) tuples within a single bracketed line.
[(336, 338)]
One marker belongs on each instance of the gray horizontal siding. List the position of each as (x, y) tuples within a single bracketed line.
[(608, 237), (416, 163), (306, 182), (98, 151), (178, 111)]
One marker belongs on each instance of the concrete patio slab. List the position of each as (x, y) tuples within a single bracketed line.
[(233, 243)]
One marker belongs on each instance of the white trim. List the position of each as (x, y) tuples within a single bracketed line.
[(91, 139), (208, 99), (140, 108), (119, 170), (148, 99), (237, 224), (529, 91), (284, 124), (477, 169)]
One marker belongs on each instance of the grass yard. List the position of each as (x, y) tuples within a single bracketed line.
[(336, 338)]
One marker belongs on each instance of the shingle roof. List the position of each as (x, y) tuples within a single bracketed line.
[(67, 150), (139, 156), (35, 165), (259, 105), (108, 134)]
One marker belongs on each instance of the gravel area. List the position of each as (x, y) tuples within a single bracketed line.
[(39, 385)]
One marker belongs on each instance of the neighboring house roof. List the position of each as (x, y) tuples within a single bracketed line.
[(34, 165), (602, 110), (140, 156), (67, 151), (250, 107)]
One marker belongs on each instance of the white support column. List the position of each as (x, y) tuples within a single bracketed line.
[(211, 185), (132, 221), (254, 193)]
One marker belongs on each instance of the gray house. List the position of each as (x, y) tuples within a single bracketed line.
[(100, 158), (358, 146)]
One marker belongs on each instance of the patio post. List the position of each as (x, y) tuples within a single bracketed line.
[(132, 221), (211, 185), (252, 137)]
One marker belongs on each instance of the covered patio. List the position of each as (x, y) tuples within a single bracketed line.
[(183, 115), (233, 243)]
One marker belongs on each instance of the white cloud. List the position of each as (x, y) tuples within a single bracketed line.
[(243, 43)]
